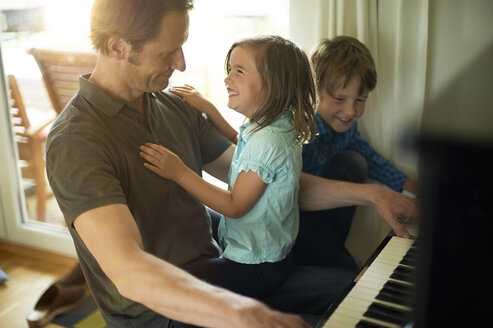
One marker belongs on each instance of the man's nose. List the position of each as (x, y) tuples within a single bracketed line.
[(179, 61)]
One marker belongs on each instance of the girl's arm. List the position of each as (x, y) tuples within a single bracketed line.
[(245, 193), (196, 100)]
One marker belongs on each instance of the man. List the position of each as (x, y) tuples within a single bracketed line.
[(133, 232)]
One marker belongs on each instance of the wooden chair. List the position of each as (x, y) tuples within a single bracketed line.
[(61, 71), (31, 127)]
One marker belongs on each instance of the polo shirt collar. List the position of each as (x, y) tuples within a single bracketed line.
[(100, 99)]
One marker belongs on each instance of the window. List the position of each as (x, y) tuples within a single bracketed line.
[(214, 25)]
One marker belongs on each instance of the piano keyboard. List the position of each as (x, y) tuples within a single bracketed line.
[(383, 294)]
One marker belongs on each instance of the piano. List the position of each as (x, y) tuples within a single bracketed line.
[(452, 286), (383, 293), (453, 281)]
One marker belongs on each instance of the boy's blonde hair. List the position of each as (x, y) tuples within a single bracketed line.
[(343, 57), (287, 81)]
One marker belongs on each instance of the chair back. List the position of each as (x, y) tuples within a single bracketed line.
[(61, 71), (20, 119), (31, 127)]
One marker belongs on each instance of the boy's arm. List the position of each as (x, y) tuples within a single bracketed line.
[(197, 101), (379, 168), (245, 193)]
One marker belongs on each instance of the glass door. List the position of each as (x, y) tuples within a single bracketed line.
[(15, 224), (214, 25)]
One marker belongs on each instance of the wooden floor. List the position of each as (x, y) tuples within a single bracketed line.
[(31, 271)]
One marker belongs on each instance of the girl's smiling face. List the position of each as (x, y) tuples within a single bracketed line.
[(343, 106), (243, 83)]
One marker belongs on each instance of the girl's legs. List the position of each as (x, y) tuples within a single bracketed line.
[(253, 280)]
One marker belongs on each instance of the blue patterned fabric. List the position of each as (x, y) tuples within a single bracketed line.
[(318, 154), (267, 232)]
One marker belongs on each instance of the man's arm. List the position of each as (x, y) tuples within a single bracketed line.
[(318, 193), (410, 186), (219, 167), (117, 247)]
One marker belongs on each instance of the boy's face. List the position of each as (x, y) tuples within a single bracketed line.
[(344, 106)]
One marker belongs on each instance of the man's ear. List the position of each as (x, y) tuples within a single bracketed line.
[(117, 47)]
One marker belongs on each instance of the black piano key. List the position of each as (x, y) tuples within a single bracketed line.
[(405, 270), (387, 314), (412, 252), (367, 324), (403, 273), (400, 287), (411, 256), (414, 247), (392, 297), (401, 277), (408, 261)]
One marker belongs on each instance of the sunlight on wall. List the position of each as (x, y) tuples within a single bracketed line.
[(68, 21), (214, 26)]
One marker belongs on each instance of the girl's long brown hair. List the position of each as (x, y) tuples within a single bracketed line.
[(288, 83)]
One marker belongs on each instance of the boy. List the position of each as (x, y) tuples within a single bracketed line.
[(345, 74)]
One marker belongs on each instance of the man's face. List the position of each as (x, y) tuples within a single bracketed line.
[(150, 69), (344, 106)]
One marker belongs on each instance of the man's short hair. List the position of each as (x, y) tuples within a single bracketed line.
[(136, 21)]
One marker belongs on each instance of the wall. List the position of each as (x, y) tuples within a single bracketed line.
[(460, 70)]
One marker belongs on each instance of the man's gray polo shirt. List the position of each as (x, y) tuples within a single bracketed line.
[(93, 160)]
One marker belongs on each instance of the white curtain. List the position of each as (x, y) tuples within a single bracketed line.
[(396, 32)]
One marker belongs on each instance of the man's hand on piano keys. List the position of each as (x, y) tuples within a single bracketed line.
[(391, 206)]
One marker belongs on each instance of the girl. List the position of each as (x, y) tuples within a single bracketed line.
[(269, 80)]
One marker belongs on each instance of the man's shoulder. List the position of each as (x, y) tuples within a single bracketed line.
[(174, 105), (77, 113), (78, 124), (168, 98)]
